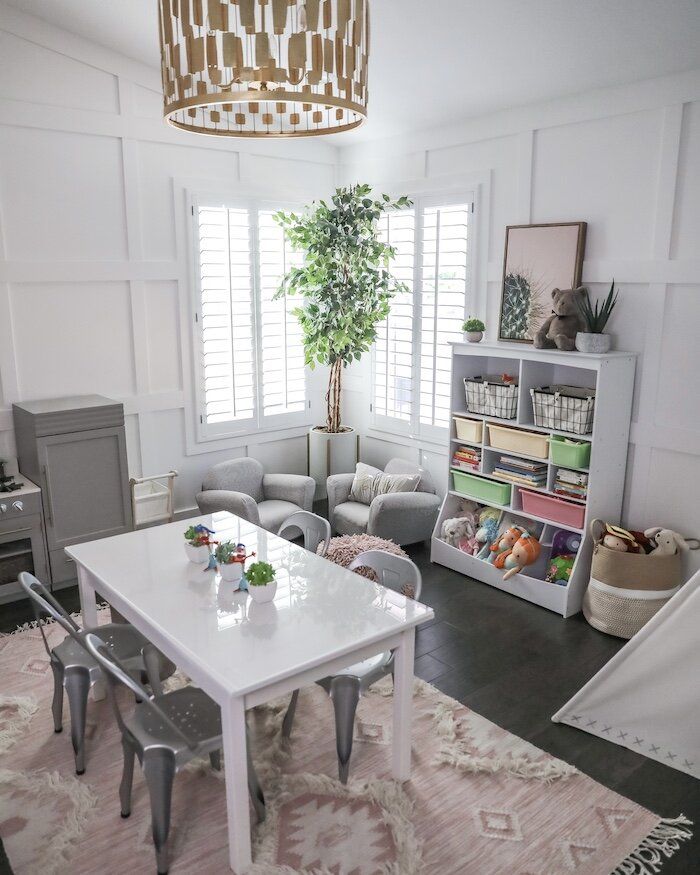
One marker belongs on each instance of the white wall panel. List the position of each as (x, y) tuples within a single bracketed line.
[(72, 339), (603, 172), (147, 103), (686, 225), (62, 196), (284, 456), (158, 165), (163, 336), (678, 400), (63, 80), (308, 175)]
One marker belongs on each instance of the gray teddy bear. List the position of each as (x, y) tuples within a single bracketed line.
[(565, 322)]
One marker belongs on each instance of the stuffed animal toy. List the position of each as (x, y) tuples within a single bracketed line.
[(469, 545), (504, 544), (486, 533), (560, 330), (668, 542), (526, 551), (456, 529), (560, 568)]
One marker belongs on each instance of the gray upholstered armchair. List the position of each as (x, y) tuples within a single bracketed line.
[(241, 486), (402, 517)]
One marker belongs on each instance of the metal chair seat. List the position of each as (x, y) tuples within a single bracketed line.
[(126, 642), (189, 710), (346, 686), (165, 732)]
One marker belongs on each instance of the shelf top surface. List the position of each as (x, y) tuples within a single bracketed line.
[(528, 351), (72, 402)]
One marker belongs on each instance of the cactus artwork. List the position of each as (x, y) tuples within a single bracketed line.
[(523, 306)]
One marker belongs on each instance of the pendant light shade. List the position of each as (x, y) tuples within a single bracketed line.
[(264, 68)]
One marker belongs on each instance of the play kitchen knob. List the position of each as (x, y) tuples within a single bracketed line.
[(17, 505)]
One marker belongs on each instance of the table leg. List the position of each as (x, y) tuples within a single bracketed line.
[(236, 770), (403, 706), (88, 607)]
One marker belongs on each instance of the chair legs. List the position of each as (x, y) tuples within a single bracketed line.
[(289, 716), (77, 684), (127, 778), (215, 760), (345, 694), (159, 771), (254, 789), (57, 703)]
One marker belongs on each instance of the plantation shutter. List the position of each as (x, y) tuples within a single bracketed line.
[(445, 276), (393, 360), (252, 358), (412, 356), (227, 315)]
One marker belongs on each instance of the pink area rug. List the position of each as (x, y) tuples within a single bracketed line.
[(480, 802)]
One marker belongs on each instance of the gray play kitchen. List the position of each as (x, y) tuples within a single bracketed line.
[(74, 450)]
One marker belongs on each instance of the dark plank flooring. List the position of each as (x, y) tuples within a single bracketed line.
[(516, 664)]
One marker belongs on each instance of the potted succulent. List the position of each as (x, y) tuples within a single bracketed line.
[(346, 284), (593, 339), (262, 584), (230, 565), (473, 330), (198, 544)]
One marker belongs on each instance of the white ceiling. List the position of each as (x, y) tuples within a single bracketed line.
[(443, 61)]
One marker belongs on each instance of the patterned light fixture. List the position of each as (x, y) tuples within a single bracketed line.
[(264, 68)]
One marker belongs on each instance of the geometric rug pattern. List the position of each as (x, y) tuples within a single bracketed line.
[(480, 800)]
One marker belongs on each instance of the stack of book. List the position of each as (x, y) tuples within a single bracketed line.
[(467, 458), (524, 472), (571, 484)]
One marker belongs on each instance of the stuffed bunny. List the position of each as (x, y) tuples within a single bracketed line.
[(669, 542)]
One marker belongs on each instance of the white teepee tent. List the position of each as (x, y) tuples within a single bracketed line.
[(647, 698)]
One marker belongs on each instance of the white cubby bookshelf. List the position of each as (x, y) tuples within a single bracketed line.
[(612, 377)]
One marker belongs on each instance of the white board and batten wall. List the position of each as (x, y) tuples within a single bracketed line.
[(94, 273), (627, 161)]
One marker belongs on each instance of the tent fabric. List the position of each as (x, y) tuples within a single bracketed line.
[(647, 698)]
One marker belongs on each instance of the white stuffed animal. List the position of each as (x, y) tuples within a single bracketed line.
[(453, 530), (669, 542)]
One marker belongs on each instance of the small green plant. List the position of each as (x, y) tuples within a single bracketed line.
[(260, 574), (596, 317), (473, 324), (225, 552), (199, 536)]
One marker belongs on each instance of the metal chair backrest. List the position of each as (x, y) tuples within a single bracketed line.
[(314, 529), (116, 674), (45, 605), (395, 572)]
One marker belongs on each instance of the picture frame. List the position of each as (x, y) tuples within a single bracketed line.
[(536, 260)]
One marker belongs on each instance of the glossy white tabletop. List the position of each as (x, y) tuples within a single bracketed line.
[(321, 611)]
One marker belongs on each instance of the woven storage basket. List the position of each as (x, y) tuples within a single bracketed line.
[(627, 589)]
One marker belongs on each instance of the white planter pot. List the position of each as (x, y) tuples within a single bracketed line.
[(331, 454), (473, 336), (197, 555), (231, 571), (263, 593), (596, 343)]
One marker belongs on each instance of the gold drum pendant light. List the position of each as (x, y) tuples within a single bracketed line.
[(264, 68)]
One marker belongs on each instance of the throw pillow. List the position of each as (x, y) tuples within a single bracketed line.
[(370, 482)]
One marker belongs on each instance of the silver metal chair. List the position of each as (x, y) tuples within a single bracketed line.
[(346, 687), (314, 529), (165, 731), (75, 670)]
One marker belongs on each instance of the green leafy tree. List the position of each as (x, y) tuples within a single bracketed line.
[(345, 280)]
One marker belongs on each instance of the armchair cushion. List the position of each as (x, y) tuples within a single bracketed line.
[(238, 503), (403, 517), (350, 518), (295, 488), (369, 482), (274, 512), (338, 487)]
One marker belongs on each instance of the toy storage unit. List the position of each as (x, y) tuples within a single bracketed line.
[(601, 454)]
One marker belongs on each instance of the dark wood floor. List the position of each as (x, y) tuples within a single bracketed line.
[(516, 664)]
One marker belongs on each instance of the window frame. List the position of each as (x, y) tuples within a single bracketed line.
[(412, 430), (258, 424)]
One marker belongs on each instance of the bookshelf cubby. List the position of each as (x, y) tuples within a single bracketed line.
[(612, 376)]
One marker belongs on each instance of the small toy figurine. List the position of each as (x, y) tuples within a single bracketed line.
[(240, 559), (7, 481)]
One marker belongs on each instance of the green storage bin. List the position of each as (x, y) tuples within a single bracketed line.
[(476, 487), (563, 452)]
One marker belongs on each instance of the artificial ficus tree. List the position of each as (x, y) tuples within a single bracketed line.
[(346, 281)]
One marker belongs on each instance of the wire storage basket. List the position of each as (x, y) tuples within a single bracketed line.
[(492, 395), (565, 408)]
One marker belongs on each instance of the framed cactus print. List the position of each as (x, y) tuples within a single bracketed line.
[(537, 259)]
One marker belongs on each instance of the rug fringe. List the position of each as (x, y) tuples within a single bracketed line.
[(30, 625), (662, 842), (26, 707)]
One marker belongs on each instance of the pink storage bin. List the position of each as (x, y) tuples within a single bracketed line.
[(554, 509)]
